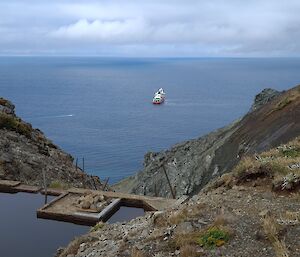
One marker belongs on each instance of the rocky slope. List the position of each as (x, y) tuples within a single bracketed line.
[(271, 121), (25, 153), (251, 211)]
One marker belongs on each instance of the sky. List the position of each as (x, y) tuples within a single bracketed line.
[(150, 28)]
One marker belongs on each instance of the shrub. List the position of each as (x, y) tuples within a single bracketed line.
[(214, 237)]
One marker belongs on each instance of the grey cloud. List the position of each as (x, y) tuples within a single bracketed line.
[(156, 28)]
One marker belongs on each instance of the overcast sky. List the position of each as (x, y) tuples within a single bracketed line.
[(150, 27)]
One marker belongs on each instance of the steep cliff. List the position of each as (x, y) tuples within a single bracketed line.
[(272, 120), (25, 153)]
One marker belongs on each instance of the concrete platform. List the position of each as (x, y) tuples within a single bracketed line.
[(63, 208), (10, 186)]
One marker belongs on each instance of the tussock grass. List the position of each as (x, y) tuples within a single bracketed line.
[(281, 165), (272, 230), (290, 218), (280, 248)]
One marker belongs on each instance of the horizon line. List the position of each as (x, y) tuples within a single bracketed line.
[(156, 57)]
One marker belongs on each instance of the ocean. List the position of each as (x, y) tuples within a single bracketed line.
[(100, 109)]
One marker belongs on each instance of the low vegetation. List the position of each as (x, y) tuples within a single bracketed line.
[(214, 237), (280, 166), (97, 227), (283, 103), (292, 97), (58, 185), (272, 231), (15, 124), (189, 251), (74, 246), (179, 216), (3, 102)]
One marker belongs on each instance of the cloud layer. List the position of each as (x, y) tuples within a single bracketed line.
[(150, 27)]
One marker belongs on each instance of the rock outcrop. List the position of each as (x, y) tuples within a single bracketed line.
[(264, 97), (25, 153), (192, 164)]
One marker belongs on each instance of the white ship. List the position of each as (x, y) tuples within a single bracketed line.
[(159, 97)]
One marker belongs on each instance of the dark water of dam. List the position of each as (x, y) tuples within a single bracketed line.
[(23, 235), (125, 214)]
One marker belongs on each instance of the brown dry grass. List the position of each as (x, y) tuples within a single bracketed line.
[(189, 251), (220, 222), (290, 218), (185, 214), (180, 240), (280, 248), (73, 247), (137, 253), (178, 217), (280, 165), (272, 230)]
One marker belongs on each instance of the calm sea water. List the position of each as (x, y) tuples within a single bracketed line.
[(100, 108)]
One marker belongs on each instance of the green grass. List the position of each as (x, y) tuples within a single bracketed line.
[(57, 185), (214, 237), (292, 153)]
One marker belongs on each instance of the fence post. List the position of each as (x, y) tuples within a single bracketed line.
[(105, 184), (171, 188), (155, 191), (45, 185)]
